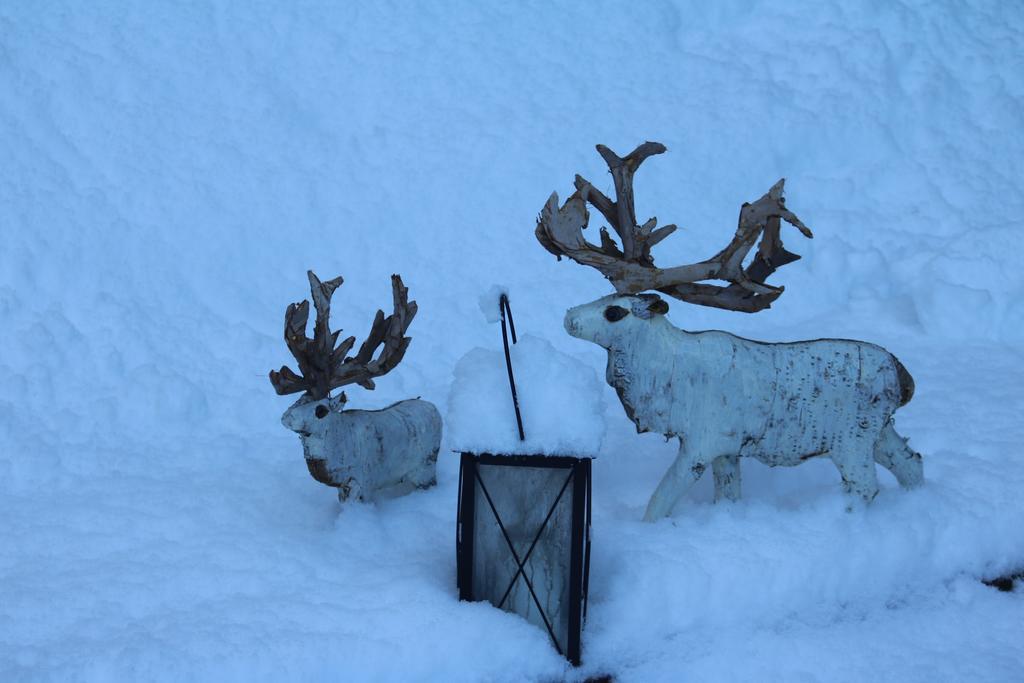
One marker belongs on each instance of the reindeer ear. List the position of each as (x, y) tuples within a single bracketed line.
[(646, 306)]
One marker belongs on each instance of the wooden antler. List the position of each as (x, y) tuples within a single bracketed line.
[(631, 268), (323, 362)]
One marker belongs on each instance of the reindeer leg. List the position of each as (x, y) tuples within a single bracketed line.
[(726, 469), (893, 453), (856, 464), (350, 490), (681, 475)]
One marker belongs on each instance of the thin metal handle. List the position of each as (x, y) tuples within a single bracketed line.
[(504, 308)]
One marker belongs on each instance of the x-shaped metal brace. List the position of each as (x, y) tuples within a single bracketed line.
[(521, 563)]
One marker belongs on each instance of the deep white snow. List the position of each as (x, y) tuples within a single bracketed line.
[(170, 171)]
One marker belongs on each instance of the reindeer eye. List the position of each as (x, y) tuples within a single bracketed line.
[(615, 313), (321, 411)]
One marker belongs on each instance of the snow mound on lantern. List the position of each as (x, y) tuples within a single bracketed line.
[(560, 398)]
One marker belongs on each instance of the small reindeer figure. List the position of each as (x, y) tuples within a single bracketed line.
[(726, 397), (365, 454)]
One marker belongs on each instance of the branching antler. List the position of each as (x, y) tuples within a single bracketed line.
[(323, 362), (631, 268)]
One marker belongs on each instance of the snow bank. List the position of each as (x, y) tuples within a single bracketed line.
[(170, 172), (561, 400)]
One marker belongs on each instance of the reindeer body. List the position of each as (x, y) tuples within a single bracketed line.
[(727, 397), (368, 454)]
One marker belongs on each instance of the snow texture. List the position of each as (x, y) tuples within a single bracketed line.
[(490, 303), (561, 400), (170, 172)]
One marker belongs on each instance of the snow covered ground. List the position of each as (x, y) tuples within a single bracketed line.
[(169, 172)]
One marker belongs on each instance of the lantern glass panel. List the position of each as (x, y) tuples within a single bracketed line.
[(523, 498)]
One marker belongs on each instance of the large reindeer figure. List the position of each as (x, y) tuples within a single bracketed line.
[(725, 397), (365, 454)]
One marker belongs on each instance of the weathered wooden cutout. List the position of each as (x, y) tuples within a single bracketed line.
[(722, 396), (365, 454), (726, 397)]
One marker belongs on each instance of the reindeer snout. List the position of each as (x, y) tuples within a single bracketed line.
[(295, 424), (571, 323)]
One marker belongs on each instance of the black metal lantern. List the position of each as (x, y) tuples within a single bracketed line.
[(523, 537), (523, 541)]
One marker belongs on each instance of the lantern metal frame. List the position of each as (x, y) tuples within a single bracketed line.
[(579, 476)]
